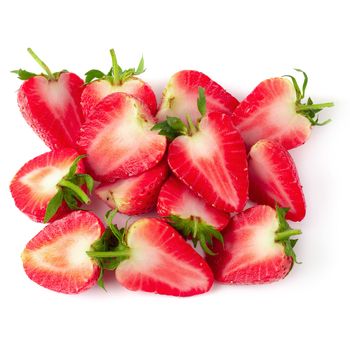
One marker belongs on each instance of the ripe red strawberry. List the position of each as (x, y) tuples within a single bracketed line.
[(48, 186), (273, 178), (137, 194), (153, 257), (257, 248), (189, 214), (117, 138), (275, 111), (209, 157), (100, 85), (180, 96), (50, 103), (56, 257)]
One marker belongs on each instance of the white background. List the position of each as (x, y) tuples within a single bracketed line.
[(238, 44)]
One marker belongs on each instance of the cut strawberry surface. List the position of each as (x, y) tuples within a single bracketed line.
[(274, 110), (117, 138), (44, 186), (100, 85), (273, 178), (56, 257), (137, 194), (50, 103), (180, 96), (257, 248)]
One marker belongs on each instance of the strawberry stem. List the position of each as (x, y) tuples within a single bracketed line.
[(191, 127), (76, 189), (113, 254), (281, 236), (317, 106), (115, 67), (41, 64)]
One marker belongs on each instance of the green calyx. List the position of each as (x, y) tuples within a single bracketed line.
[(197, 230), (173, 127), (111, 249), (69, 190), (116, 75), (285, 232), (309, 109), (25, 75)]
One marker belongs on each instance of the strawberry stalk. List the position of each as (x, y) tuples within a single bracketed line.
[(76, 189), (281, 236), (43, 65), (115, 68), (123, 253)]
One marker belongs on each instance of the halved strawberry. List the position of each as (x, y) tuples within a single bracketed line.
[(275, 111), (56, 257), (117, 138), (273, 179), (180, 96), (257, 248), (136, 194), (189, 214), (49, 186), (50, 103), (209, 157), (153, 257), (100, 85)]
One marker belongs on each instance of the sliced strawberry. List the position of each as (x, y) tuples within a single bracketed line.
[(56, 257), (257, 248), (118, 140), (273, 178), (137, 194), (275, 111), (44, 186), (100, 85), (50, 103), (180, 96), (189, 214)]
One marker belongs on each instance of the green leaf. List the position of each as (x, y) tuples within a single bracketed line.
[(201, 102), (127, 74), (109, 220), (70, 199), (74, 166), (93, 74), (24, 74), (171, 128), (141, 67), (100, 281), (53, 206), (306, 79)]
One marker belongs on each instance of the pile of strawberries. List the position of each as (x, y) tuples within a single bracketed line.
[(197, 158)]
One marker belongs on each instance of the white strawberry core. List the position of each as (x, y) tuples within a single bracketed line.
[(131, 86)]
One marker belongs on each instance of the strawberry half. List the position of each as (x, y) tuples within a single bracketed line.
[(118, 140), (180, 96), (56, 257), (100, 85), (273, 178), (275, 111), (189, 214), (209, 157), (49, 186), (257, 249), (137, 194), (50, 103), (151, 256)]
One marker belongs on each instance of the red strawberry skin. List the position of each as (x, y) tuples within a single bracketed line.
[(137, 194), (34, 184), (180, 96), (118, 140), (273, 178), (175, 198), (250, 255), (162, 262), (213, 163), (56, 257), (269, 112), (94, 92), (52, 108)]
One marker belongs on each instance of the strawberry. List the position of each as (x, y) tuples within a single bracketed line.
[(50, 103), (151, 256), (273, 178), (258, 248), (117, 138), (180, 94), (189, 214), (99, 85), (56, 257), (275, 111), (49, 186), (209, 157), (137, 194)]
